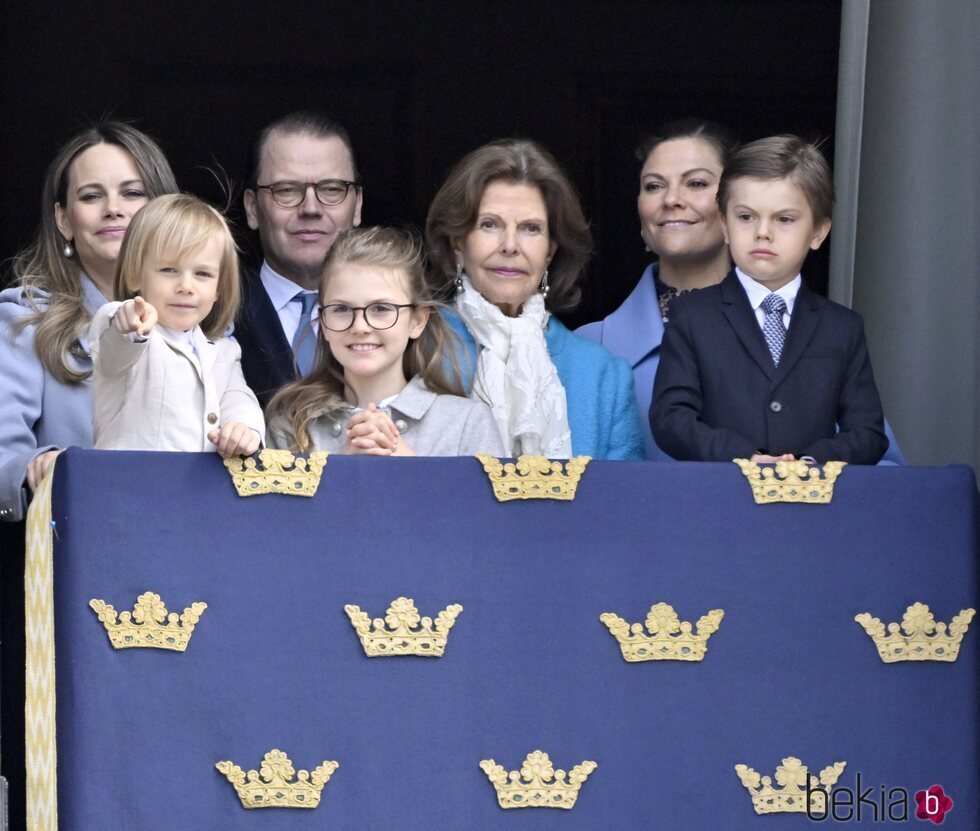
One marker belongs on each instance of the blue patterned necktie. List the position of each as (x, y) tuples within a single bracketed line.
[(304, 344), (773, 329)]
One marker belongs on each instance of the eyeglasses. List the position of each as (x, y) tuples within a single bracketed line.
[(328, 192), (338, 317)]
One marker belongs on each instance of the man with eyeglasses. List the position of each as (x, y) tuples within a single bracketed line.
[(303, 190)]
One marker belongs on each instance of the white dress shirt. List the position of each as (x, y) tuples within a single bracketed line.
[(281, 291), (757, 292)]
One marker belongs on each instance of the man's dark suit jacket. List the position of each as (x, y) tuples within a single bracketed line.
[(718, 396), (267, 357)]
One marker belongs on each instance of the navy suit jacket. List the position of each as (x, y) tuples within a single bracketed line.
[(267, 357), (718, 396)]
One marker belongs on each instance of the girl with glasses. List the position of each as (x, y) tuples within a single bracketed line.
[(383, 383)]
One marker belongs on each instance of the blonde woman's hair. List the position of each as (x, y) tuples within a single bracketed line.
[(431, 356), (51, 280), (174, 225)]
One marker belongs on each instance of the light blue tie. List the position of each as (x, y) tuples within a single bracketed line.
[(772, 328), (304, 344)]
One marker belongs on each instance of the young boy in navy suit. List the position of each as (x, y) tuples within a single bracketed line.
[(758, 366)]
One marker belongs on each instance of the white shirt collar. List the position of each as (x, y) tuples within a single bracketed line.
[(177, 336), (281, 290), (757, 292)]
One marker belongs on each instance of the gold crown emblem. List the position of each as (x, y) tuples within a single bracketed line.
[(919, 638), (534, 477), (537, 784), (669, 638), (791, 481), (272, 786), (149, 625), (281, 472), (791, 796), (403, 632)]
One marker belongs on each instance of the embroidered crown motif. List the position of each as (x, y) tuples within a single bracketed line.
[(149, 624), (534, 477), (272, 786), (791, 481), (537, 784), (281, 472), (791, 796), (919, 638), (668, 640), (406, 633)]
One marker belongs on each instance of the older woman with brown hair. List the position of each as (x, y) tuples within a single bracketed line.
[(506, 233), (100, 178)]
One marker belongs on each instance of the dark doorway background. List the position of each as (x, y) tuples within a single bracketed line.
[(418, 84)]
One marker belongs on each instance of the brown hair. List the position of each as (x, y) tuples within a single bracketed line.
[(783, 157), (720, 138), (51, 280), (455, 207), (301, 123), (431, 356), (176, 224)]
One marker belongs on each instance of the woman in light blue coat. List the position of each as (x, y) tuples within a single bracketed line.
[(681, 225), (509, 242), (94, 186)]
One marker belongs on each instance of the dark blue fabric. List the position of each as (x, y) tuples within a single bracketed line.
[(635, 330), (275, 662), (717, 395), (267, 357)]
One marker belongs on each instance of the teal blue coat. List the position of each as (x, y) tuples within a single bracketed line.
[(602, 412)]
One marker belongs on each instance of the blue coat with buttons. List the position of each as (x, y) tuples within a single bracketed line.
[(718, 395), (635, 331)]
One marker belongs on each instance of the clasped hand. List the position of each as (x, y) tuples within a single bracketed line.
[(766, 459), (372, 432)]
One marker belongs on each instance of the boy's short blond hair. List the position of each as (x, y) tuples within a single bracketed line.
[(783, 157), (178, 223)]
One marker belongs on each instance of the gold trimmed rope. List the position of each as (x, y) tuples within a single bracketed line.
[(39, 707)]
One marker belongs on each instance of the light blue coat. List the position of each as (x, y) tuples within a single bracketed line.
[(37, 412), (602, 412), (635, 331)]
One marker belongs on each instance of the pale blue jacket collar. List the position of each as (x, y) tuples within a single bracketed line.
[(635, 329)]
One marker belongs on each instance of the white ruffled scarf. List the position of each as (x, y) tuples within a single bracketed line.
[(516, 376)]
